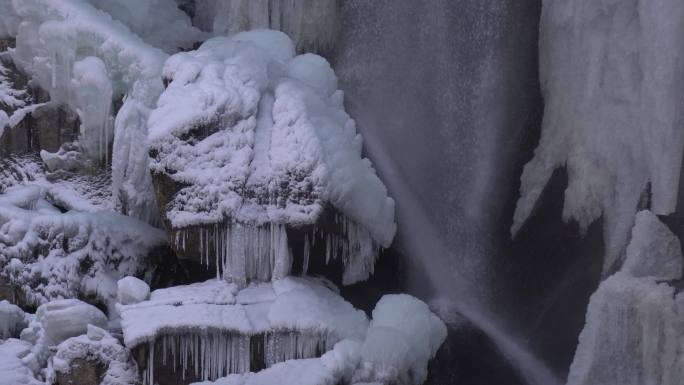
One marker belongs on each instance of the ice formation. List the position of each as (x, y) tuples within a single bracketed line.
[(67, 318), (50, 255), (334, 367), (403, 336), (213, 329), (634, 331), (311, 24), (611, 79), (95, 347), (653, 250), (69, 46), (12, 320), (256, 139), (14, 369)]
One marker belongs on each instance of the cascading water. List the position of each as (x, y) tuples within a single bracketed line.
[(436, 89)]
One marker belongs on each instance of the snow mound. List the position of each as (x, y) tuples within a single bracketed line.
[(403, 336), (105, 350), (250, 136), (653, 251), (12, 320), (67, 318), (312, 25), (131, 290), (13, 369), (218, 330), (612, 80), (51, 255)]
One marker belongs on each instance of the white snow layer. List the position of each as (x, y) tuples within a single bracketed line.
[(51, 255), (14, 368), (403, 336), (611, 78), (634, 333), (12, 320), (66, 318), (258, 136), (311, 24), (96, 347), (74, 50)]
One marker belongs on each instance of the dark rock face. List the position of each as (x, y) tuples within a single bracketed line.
[(82, 372)]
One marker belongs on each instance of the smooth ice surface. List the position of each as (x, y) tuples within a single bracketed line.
[(653, 250), (403, 336), (67, 318), (612, 80), (312, 25), (131, 290)]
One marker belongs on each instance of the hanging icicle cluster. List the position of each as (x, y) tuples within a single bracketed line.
[(215, 354)]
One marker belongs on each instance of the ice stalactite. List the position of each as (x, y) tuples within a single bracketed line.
[(311, 24), (215, 354), (247, 253), (243, 253)]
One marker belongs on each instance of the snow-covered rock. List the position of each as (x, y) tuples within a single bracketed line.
[(403, 336), (132, 290), (612, 82), (248, 142), (84, 360), (220, 330), (49, 255), (67, 318), (12, 320), (13, 368)]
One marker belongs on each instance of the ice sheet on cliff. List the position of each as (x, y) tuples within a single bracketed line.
[(612, 81), (634, 330)]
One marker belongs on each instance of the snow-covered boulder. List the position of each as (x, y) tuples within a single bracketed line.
[(13, 368), (403, 336), (132, 290), (223, 330), (12, 320), (250, 144), (87, 360), (67, 318)]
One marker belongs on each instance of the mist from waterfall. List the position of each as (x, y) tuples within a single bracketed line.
[(442, 92)]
